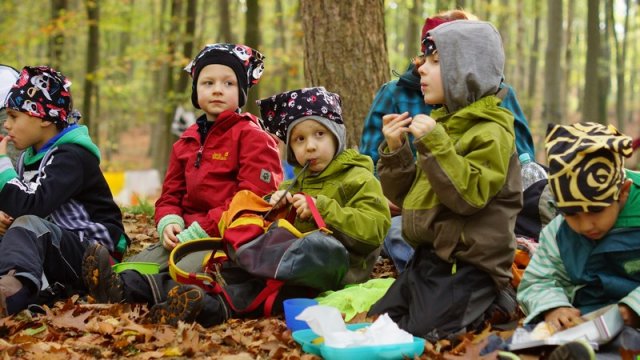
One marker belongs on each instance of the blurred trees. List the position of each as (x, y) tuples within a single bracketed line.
[(125, 57)]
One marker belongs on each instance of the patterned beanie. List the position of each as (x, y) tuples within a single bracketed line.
[(44, 93), (246, 63), (281, 112), (586, 165)]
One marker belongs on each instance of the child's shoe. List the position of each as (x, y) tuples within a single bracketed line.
[(184, 303), (104, 284), (575, 350)]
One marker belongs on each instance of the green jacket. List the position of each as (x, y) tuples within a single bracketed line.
[(463, 193), (350, 200)]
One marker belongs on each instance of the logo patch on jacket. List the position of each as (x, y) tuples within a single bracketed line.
[(220, 156), (265, 175)]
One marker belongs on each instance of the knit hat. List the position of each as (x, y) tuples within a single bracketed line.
[(246, 63), (429, 24), (44, 93), (8, 77), (281, 112), (586, 165)]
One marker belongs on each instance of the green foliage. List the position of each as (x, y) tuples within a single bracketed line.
[(143, 207)]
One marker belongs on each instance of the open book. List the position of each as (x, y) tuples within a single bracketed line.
[(600, 327)]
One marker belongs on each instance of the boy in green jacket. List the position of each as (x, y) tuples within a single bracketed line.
[(460, 198), (340, 181)]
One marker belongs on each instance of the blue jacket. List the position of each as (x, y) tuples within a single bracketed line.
[(398, 96)]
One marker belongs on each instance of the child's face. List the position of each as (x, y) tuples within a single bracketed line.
[(313, 142), (431, 80), (217, 90), (25, 130)]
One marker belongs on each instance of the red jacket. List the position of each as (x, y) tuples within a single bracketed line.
[(237, 155)]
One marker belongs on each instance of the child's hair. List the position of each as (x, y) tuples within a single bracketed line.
[(281, 112), (247, 63), (44, 93), (586, 165)]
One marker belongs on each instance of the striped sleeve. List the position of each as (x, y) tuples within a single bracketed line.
[(545, 284)]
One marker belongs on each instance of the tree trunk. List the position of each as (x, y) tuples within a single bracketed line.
[(533, 63), (187, 47), (414, 26), (591, 90), (551, 107), (93, 61), (224, 18), (56, 42), (163, 136), (520, 69), (621, 50), (568, 59), (346, 54), (253, 39)]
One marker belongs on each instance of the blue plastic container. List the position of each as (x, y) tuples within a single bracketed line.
[(306, 339)]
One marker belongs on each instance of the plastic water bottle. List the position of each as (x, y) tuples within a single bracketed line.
[(531, 171)]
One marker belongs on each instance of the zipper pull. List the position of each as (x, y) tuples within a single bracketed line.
[(199, 157)]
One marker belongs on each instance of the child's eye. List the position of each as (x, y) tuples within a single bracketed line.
[(320, 133), (229, 83), (300, 138)]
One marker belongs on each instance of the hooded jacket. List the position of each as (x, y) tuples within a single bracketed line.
[(63, 183), (463, 193), (350, 200), (237, 154)]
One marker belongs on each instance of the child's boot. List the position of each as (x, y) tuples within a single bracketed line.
[(184, 303), (103, 284)]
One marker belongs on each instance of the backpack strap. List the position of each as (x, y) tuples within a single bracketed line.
[(322, 226), (201, 279)]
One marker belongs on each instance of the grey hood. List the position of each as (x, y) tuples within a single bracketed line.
[(471, 61)]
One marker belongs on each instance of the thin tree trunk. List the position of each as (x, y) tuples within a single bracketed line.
[(335, 30), (533, 63), (552, 74), (225, 31), (56, 42), (620, 50), (281, 43), (568, 59), (591, 91), (414, 25), (253, 39), (93, 61)]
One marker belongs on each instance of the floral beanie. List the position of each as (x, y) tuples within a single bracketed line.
[(44, 93), (281, 112)]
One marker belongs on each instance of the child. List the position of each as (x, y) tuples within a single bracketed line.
[(346, 193), (224, 152), (460, 198), (58, 195), (340, 181), (404, 95), (588, 255)]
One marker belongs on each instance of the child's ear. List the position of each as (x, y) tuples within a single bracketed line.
[(46, 123), (624, 190)]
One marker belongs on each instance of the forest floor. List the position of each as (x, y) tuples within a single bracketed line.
[(79, 329)]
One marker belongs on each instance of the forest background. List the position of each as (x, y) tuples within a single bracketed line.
[(568, 60)]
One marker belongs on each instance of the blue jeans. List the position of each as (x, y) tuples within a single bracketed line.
[(394, 245)]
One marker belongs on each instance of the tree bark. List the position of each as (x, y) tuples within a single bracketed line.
[(568, 59), (56, 42), (533, 63), (345, 51), (225, 31), (414, 26), (551, 108), (591, 89), (93, 61), (253, 39)]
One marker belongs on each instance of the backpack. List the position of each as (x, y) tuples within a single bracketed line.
[(266, 245)]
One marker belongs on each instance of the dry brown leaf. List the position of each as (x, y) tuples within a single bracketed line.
[(66, 320)]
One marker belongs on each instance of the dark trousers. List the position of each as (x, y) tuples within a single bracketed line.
[(33, 247), (431, 300)]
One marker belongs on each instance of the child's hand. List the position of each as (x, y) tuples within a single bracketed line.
[(421, 125), (169, 239), (280, 198), (629, 316), (563, 317), (394, 126), (299, 201), (5, 222), (4, 140)]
